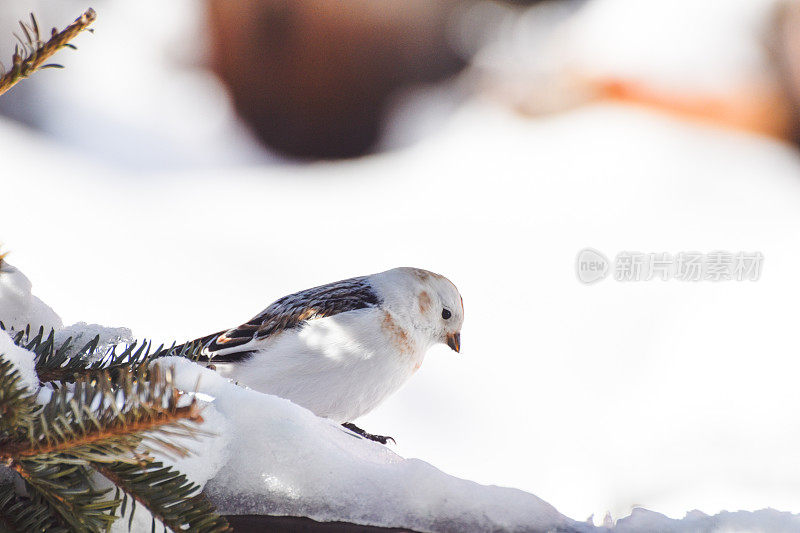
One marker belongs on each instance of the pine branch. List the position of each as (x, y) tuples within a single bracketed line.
[(61, 365), (68, 492), (107, 421), (36, 52), (64, 364), (167, 494), (17, 406), (18, 410), (116, 443), (111, 426), (19, 514), (115, 412)]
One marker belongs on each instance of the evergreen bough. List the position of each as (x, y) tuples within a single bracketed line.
[(31, 53), (108, 413)]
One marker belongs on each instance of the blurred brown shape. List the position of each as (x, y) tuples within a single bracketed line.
[(786, 55), (313, 78)]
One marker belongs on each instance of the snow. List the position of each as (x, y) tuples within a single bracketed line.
[(82, 333), (209, 451), (21, 359), (282, 459), (18, 307), (766, 520), (204, 461), (604, 398)]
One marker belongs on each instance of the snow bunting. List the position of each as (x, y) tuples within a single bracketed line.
[(340, 349)]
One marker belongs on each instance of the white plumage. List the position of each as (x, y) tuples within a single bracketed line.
[(341, 349)]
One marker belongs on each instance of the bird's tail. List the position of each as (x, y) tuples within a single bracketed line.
[(205, 350)]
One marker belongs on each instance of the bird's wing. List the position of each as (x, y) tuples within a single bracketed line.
[(290, 312)]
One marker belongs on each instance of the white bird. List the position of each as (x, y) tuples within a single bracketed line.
[(340, 349)]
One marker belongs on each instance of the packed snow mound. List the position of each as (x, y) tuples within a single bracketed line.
[(208, 452), (281, 459), (18, 307), (284, 460)]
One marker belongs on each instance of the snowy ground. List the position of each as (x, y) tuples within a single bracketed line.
[(671, 396)]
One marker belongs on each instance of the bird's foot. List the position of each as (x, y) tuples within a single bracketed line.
[(377, 438)]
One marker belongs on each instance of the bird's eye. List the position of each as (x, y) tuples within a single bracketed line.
[(446, 314)]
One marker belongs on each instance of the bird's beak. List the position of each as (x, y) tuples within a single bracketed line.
[(454, 341)]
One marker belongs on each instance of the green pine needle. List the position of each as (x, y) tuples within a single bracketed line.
[(17, 406), (68, 491), (24, 515), (167, 494), (32, 52), (65, 364), (101, 423)]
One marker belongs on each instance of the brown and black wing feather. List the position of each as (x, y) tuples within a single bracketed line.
[(290, 312)]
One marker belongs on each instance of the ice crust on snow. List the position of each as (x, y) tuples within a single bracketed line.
[(82, 333), (284, 460)]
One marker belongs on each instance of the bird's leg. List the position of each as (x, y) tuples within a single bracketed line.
[(377, 438)]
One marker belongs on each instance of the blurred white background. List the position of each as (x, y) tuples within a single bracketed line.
[(142, 202)]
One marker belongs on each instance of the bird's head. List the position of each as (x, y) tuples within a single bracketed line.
[(424, 302)]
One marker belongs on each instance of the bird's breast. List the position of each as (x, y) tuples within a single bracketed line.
[(397, 336)]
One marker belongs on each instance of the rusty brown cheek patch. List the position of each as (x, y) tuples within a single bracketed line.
[(396, 333), (424, 302)]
